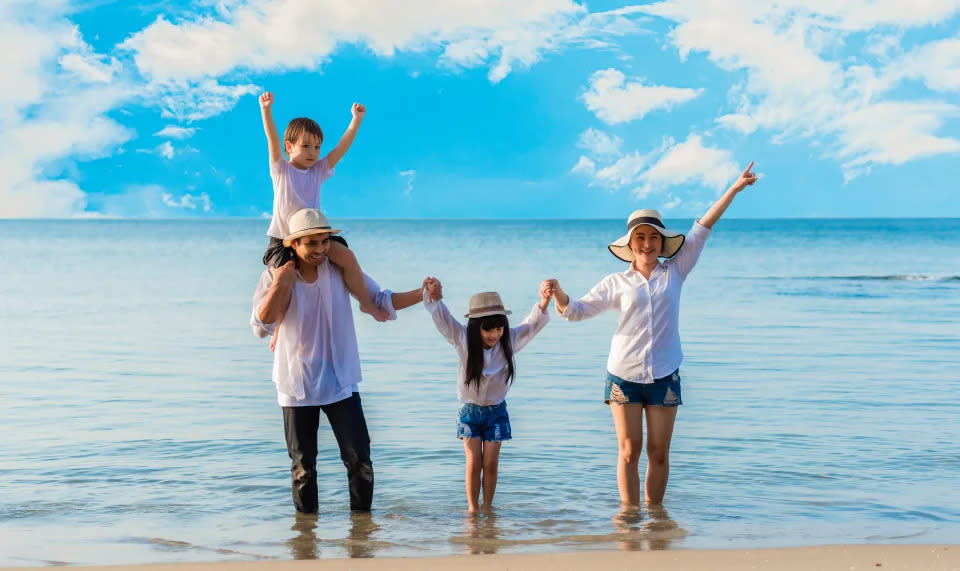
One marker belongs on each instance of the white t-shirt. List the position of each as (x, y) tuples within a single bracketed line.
[(293, 190)]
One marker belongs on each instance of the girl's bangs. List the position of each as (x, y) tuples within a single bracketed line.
[(492, 322)]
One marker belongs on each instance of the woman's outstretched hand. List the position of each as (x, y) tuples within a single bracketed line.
[(746, 179)]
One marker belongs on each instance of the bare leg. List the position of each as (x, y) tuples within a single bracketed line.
[(660, 421), (473, 449), (353, 278), (491, 465), (628, 421)]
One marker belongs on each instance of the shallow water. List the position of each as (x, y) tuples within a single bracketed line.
[(139, 423)]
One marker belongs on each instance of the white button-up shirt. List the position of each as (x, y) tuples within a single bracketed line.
[(646, 345), (316, 360), (492, 388)]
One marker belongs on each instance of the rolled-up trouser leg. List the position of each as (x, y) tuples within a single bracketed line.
[(350, 427), (300, 426)]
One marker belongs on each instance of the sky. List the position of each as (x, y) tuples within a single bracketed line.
[(484, 108)]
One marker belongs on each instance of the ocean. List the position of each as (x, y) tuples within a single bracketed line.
[(138, 422)]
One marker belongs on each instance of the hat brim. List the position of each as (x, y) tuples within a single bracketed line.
[(308, 232), (488, 313), (672, 241)]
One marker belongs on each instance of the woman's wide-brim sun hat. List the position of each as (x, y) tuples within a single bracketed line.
[(486, 303), (307, 222), (671, 240)]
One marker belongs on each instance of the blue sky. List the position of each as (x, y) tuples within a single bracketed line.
[(484, 108)]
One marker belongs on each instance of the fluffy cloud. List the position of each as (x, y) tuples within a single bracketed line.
[(269, 34), (600, 144), (671, 164), (837, 101), (176, 132), (53, 107), (613, 99), (689, 162)]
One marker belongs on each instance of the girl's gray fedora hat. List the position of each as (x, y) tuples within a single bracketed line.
[(486, 303)]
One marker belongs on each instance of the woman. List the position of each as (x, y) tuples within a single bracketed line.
[(645, 354)]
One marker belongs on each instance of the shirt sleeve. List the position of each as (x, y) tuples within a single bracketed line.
[(261, 329), (689, 252), (382, 298), (522, 334), (596, 301), (451, 329), (276, 167), (323, 170)]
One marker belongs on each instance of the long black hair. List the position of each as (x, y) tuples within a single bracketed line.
[(475, 346)]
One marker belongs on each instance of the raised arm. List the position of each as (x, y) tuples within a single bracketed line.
[(597, 300), (274, 146), (448, 326), (536, 320), (745, 179), (358, 111)]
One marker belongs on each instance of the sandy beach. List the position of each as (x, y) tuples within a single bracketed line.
[(838, 557)]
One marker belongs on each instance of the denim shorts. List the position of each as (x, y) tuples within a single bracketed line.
[(489, 423), (661, 392)]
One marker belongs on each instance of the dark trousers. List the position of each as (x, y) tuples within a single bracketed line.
[(300, 423)]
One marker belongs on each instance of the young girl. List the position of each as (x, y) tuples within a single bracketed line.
[(485, 374)]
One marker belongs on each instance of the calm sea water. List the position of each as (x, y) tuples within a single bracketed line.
[(138, 422)]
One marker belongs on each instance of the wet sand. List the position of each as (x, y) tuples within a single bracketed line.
[(838, 557)]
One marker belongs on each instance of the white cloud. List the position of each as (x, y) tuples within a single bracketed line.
[(193, 101), (625, 171), (671, 164), (936, 63), (165, 150), (408, 175), (188, 201), (600, 144), (792, 90), (689, 162), (152, 201), (176, 132), (52, 110), (584, 166), (268, 35), (613, 99)]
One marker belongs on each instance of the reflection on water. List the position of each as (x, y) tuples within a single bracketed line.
[(358, 543), (362, 527), (482, 534), (637, 533), (304, 544)]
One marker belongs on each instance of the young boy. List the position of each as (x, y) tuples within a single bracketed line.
[(296, 185)]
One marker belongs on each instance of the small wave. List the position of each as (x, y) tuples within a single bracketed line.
[(862, 278)]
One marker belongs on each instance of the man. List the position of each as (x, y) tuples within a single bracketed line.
[(316, 366)]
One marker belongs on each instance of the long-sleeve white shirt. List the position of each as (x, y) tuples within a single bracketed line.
[(316, 360), (493, 386), (646, 345)]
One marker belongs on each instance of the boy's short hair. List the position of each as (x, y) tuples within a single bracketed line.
[(297, 127)]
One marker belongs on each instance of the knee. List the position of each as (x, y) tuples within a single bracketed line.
[(302, 472), (630, 451), (490, 466), (355, 459), (658, 455)]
